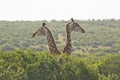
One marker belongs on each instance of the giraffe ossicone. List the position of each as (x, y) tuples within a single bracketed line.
[(44, 31), (72, 26)]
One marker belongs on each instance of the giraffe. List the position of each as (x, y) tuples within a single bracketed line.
[(45, 31), (72, 26)]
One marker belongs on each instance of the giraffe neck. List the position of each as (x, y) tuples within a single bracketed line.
[(68, 41), (68, 48), (51, 43)]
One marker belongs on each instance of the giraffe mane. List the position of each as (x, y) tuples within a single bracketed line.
[(53, 48), (50, 33), (56, 49)]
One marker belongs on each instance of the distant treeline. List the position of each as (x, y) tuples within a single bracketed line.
[(101, 35)]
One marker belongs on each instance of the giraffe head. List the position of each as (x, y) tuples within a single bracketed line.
[(41, 31), (74, 26)]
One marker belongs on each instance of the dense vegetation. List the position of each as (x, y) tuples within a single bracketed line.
[(96, 53), (32, 65), (101, 36)]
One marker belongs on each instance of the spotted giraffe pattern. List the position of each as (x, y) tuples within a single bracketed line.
[(68, 48), (72, 26), (51, 43), (50, 39)]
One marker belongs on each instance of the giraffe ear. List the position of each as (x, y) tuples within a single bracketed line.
[(72, 20)]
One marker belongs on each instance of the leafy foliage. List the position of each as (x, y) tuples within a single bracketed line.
[(96, 54), (32, 65)]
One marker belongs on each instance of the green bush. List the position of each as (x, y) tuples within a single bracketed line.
[(32, 65), (111, 67)]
